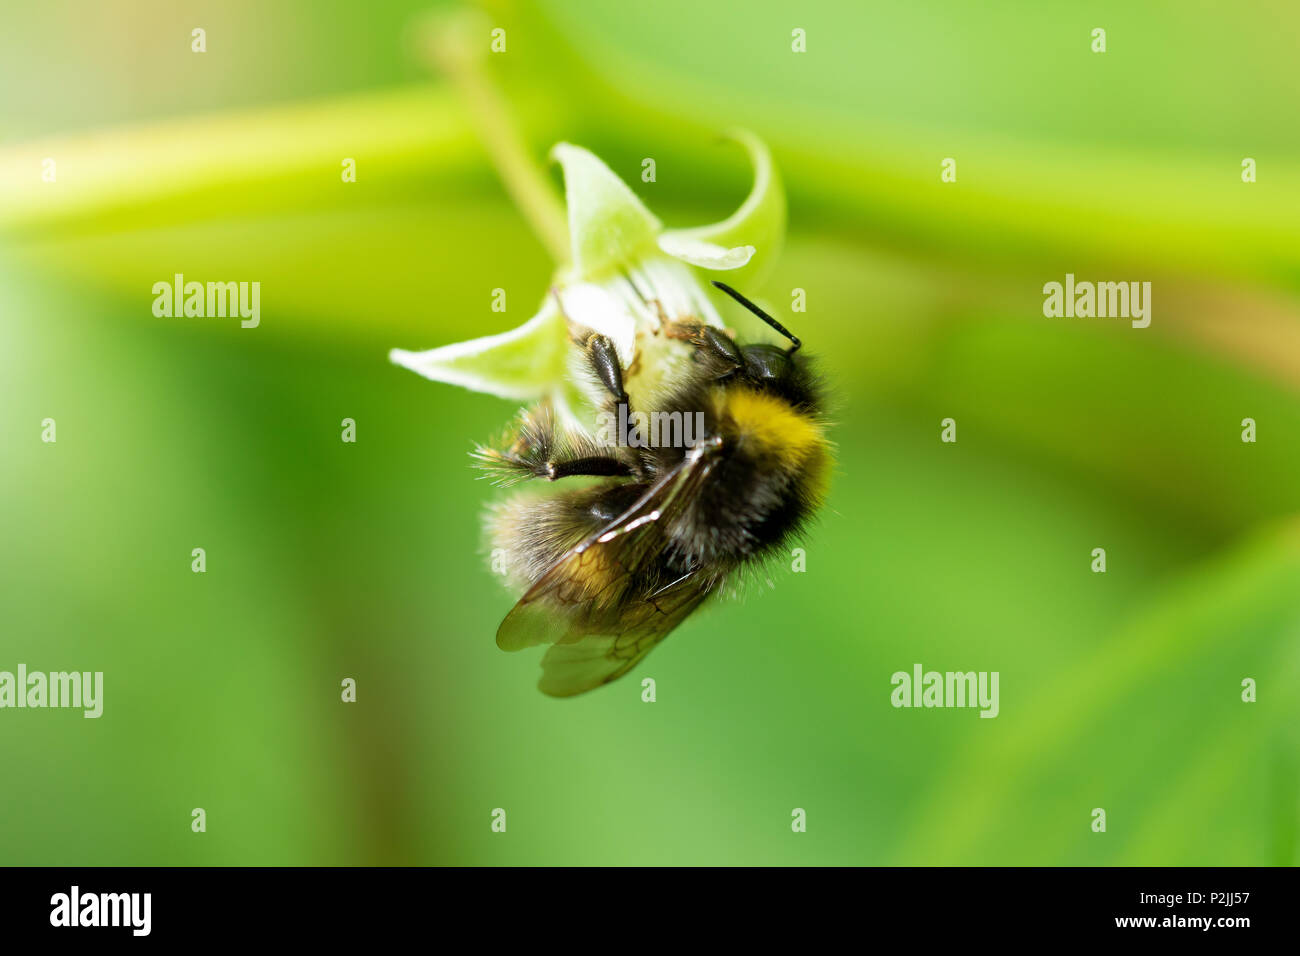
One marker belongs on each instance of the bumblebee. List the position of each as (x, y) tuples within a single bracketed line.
[(611, 567)]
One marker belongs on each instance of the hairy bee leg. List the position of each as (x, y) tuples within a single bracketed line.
[(514, 466), (716, 345), (592, 466), (540, 450), (604, 361), (722, 347)]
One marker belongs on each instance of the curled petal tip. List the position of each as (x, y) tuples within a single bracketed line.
[(706, 255)]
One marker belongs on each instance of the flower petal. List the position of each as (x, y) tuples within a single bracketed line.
[(524, 363), (706, 255), (608, 225), (759, 222), (594, 307)]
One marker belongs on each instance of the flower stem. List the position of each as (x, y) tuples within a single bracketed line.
[(456, 45)]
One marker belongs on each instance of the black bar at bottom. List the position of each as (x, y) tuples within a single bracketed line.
[(374, 905)]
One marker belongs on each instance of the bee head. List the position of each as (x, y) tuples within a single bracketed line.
[(767, 363)]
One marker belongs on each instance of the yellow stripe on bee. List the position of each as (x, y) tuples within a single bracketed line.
[(786, 434)]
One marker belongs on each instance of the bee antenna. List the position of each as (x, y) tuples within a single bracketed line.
[(795, 343)]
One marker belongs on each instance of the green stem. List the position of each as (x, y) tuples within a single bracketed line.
[(456, 46)]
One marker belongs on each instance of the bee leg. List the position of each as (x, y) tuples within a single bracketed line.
[(592, 465), (722, 348), (541, 449), (602, 357), (716, 347), (510, 467), (605, 363)]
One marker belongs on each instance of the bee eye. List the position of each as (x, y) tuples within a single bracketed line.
[(766, 361)]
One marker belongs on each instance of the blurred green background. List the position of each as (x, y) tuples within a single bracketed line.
[(329, 560)]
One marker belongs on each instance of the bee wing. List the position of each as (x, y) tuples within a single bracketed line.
[(587, 605), (574, 668)]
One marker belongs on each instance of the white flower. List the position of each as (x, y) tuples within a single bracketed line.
[(626, 276)]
